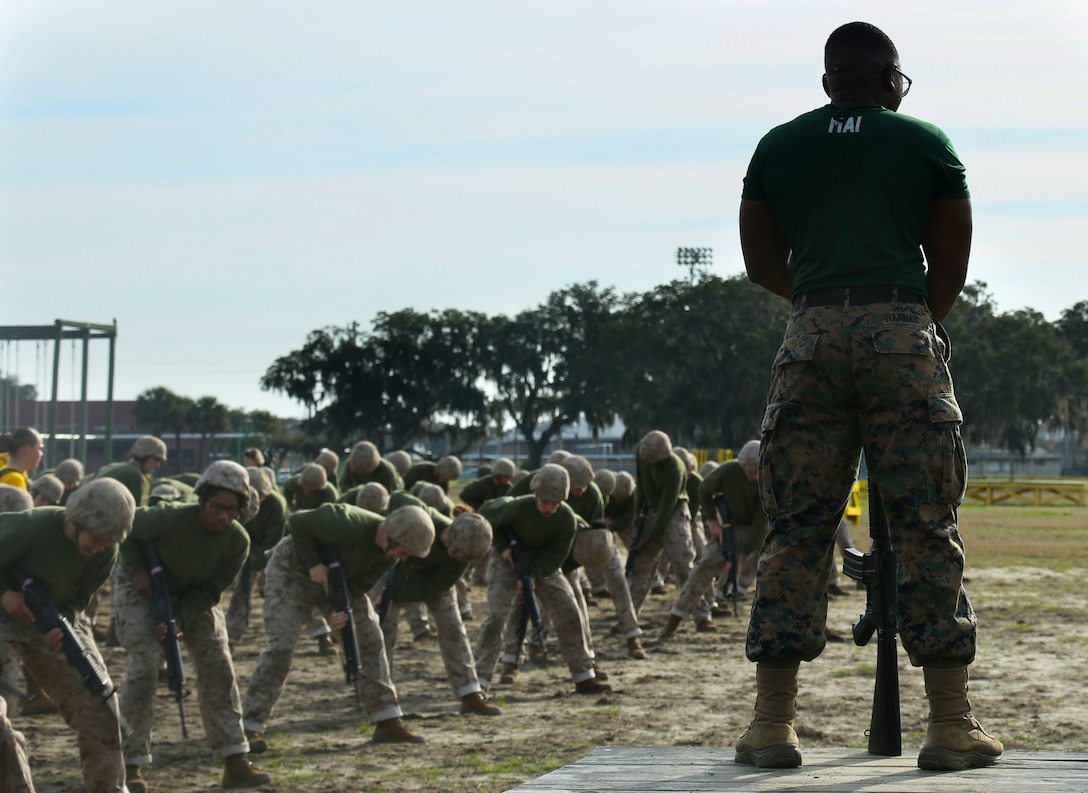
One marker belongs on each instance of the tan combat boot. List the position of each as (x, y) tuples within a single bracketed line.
[(394, 731), (257, 743), (634, 649), (769, 741), (954, 740), (477, 703), (508, 674), (670, 628), (238, 773)]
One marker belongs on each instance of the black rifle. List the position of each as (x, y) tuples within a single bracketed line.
[(385, 599), (640, 529), (729, 550), (46, 619), (245, 586), (341, 601), (877, 570), (162, 613), (529, 610)]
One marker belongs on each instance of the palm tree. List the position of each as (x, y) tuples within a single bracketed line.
[(208, 416), (159, 410)]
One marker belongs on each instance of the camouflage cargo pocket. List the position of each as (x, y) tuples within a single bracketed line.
[(947, 464)]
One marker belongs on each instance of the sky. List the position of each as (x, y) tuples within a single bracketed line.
[(221, 178)]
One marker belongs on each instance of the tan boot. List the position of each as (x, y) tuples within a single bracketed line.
[(670, 628), (325, 645), (592, 686), (954, 740), (769, 741), (477, 703), (238, 773), (705, 626), (508, 674), (634, 649), (394, 731), (134, 780), (257, 743)]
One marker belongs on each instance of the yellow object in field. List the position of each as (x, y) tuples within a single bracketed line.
[(853, 506)]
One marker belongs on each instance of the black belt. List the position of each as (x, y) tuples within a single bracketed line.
[(856, 296)]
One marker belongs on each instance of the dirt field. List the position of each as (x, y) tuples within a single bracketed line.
[(1026, 582)]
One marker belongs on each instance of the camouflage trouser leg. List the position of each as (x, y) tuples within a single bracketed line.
[(14, 768), (453, 644), (131, 614), (692, 598), (416, 615), (461, 592), (596, 578), (574, 579), (616, 582), (238, 611), (556, 594), (318, 625), (217, 688), (871, 378), (290, 599), (96, 724), (675, 543), (511, 645), (501, 593), (843, 540)]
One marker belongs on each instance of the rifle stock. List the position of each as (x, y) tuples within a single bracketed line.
[(163, 614), (386, 596), (878, 570), (729, 550), (341, 597)]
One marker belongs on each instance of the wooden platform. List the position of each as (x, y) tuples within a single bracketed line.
[(686, 769)]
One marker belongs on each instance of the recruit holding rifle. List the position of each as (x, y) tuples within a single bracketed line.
[(341, 600), (729, 550), (162, 613), (529, 609), (877, 570)]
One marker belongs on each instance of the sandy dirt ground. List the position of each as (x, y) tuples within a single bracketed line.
[(1027, 688)]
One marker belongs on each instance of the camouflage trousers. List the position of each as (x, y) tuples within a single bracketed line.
[(555, 593), (14, 769), (674, 543), (205, 638), (290, 596), (98, 731), (693, 600), (453, 643), (845, 380)]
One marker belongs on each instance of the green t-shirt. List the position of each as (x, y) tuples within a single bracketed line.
[(852, 189), (34, 541), (129, 475), (266, 529), (742, 499), (354, 532), (661, 487), (478, 491), (545, 541), (385, 475), (199, 565)]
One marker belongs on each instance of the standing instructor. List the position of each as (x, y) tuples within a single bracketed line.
[(839, 206)]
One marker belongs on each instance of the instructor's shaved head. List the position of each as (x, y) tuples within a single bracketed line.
[(858, 45)]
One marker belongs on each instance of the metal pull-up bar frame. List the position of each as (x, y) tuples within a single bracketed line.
[(60, 330)]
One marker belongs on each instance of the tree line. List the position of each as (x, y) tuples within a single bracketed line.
[(690, 358)]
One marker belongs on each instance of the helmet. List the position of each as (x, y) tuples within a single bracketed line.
[(748, 457), (655, 447), (606, 481), (228, 475), (15, 499), (69, 471), (411, 528), (364, 458), (149, 446), (252, 507), (256, 455), (329, 460), (580, 470), (103, 507), (448, 467), (435, 497), (593, 547), (313, 477), (374, 497), (401, 460), (625, 486), (258, 480), (707, 469), (551, 483), (469, 537), (49, 486), (686, 457), (503, 467), (558, 456)]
